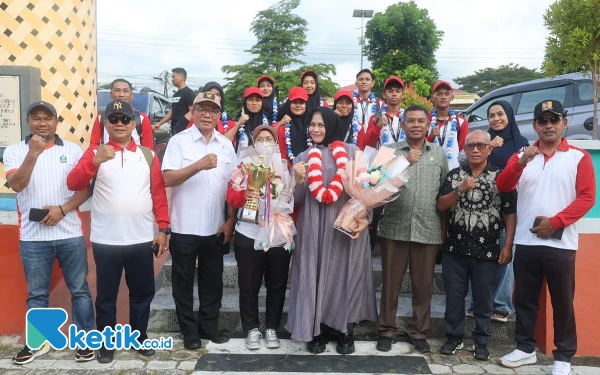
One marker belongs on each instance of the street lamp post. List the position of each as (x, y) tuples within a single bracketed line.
[(362, 13)]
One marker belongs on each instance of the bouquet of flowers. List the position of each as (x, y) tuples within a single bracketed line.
[(372, 179), (276, 201)]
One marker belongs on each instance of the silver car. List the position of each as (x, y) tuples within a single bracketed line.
[(575, 91)]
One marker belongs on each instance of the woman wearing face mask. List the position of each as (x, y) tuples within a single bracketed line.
[(350, 130), (225, 126), (270, 108), (250, 119), (254, 264), (292, 129), (332, 274)]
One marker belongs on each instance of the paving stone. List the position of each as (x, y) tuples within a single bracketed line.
[(497, 369), (585, 370), (17, 371), (186, 365), (6, 363), (530, 369), (41, 364), (161, 365), (468, 369), (65, 364), (440, 369), (128, 364)]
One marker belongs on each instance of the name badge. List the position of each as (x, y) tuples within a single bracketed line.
[(63, 159)]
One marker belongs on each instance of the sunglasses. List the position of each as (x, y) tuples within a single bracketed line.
[(544, 120), (114, 119), (480, 146)]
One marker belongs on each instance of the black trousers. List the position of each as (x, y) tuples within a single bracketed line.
[(185, 249), (532, 264), (138, 262), (457, 270), (253, 265)]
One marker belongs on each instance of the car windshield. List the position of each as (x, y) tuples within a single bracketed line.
[(139, 102)]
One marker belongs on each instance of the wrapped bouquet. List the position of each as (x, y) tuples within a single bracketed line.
[(276, 201), (372, 179)]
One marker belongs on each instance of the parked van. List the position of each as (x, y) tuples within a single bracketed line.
[(575, 91)]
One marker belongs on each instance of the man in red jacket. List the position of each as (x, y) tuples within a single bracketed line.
[(121, 89), (128, 198)]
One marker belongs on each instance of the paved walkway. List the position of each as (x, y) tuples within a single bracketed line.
[(181, 361)]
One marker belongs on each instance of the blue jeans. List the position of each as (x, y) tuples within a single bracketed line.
[(38, 261), (504, 284)]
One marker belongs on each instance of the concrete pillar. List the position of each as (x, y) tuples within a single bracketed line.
[(59, 38)]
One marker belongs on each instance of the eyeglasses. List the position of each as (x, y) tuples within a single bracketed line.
[(114, 119), (204, 111), (262, 140), (480, 146), (544, 120)]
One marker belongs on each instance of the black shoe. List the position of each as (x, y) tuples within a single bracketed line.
[(26, 355), (384, 344), (421, 345), (481, 352), (146, 352), (84, 355), (214, 336), (104, 355), (192, 343), (345, 343), (452, 345), (317, 345)]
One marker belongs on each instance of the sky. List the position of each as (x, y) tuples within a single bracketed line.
[(161, 35)]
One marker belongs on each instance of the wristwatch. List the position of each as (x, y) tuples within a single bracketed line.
[(457, 190), (166, 231)]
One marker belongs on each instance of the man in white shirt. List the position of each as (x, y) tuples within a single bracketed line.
[(49, 227), (197, 164)]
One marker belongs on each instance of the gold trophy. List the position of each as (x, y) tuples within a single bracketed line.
[(258, 175)]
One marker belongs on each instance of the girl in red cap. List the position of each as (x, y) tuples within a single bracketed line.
[(293, 128), (351, 131)]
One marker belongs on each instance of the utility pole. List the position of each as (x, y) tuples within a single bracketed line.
[(362, 13), (164, 77)]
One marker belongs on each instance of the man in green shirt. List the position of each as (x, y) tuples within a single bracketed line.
[(411, 232)]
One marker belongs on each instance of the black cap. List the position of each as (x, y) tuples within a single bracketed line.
[(46, 105), (553, 106), (119, 106)]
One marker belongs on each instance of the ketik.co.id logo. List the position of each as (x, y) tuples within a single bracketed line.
[(44, 324)]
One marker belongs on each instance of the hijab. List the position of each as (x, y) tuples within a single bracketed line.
[(254, 121), (333, 124), (345, 130), (215, 85), (267, 108), (513, 140), (314, 99), (298, 128)]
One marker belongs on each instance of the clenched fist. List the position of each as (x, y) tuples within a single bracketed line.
[(300, 171), (36, 145), (498, 141), (414, 156), (286, 119), (435, 131), (243, 118), (528, 155), (468, 184), (104, 154), (382, 121), (209, 161)]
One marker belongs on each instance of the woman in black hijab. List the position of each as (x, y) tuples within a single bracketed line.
[(253, 102), (505, 134), (266, 85), (297, 118), (309, 81)]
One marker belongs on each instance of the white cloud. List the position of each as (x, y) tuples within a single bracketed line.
[(201, 38)]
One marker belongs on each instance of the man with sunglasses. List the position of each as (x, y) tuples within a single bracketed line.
[(471, 252), (197, 164), (557, 187), (129, 196)]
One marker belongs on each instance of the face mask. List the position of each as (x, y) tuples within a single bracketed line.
[(265, 149)]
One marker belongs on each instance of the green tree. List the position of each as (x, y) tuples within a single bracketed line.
[(574, 42), (104, 86), (485, 80), (419, 78), (281, 38), (402, 36)]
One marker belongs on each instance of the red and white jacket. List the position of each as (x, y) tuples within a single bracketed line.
[(128, 195), (560, 186)]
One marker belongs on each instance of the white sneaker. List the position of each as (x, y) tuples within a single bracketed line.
[(517, 358), (271, 339), (253, 339), (561, 368)]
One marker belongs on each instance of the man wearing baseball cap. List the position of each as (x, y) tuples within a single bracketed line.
[(197, 164), (449, 129), (49, 227), (128, 199), (557, 187), (385, 125)]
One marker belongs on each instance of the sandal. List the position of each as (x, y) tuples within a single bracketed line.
[(500, 316), (470, 313)]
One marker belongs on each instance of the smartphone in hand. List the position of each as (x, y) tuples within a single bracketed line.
[(557, 235), (37, 214), (155, 249)]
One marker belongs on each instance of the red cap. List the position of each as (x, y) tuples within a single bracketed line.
[(265, 78), (308, 73), (253, 90), (439, 84), (393, 79), (298, 93), (343, 93)]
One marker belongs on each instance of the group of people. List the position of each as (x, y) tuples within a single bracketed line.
[(472, 196)]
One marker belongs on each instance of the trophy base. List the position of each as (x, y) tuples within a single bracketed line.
[(343, 230), (249, 215)]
